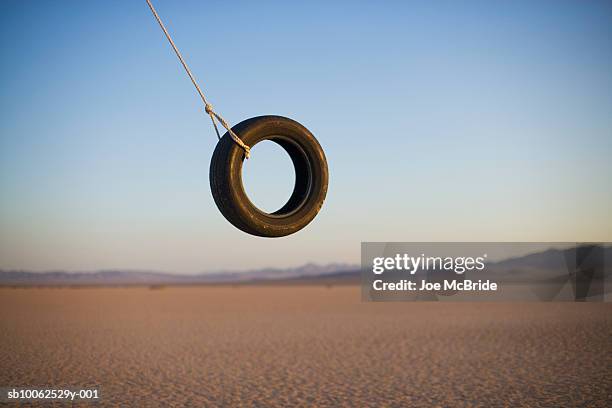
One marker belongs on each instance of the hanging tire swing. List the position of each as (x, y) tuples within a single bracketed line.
[(310, 165), (310, 177)]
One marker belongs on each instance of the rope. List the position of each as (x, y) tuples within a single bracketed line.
[(214, 116)]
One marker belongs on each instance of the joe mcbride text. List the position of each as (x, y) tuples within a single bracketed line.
[(424, 285)]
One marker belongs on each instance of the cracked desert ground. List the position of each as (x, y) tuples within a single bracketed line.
[(303, 346)]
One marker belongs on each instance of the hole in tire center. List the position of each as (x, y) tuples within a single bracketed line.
[(268, 176)]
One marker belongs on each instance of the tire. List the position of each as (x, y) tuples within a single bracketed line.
[(311, 177)]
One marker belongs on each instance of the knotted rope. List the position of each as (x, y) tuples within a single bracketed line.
[(214, 116)]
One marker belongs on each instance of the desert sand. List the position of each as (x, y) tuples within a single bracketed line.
[(305, 346)]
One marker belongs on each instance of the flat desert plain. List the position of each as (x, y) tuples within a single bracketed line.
[(303, 346)]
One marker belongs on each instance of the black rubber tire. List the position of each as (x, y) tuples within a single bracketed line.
[(311, 177)]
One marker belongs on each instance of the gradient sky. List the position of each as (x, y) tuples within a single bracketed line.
[(443, 121)]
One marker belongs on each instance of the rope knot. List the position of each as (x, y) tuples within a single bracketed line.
[(208, 108)]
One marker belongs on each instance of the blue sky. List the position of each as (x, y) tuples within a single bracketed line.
[(468, 121)]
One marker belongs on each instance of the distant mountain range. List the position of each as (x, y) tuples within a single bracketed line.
[(130, 277), (545, 264), (590, 259)]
